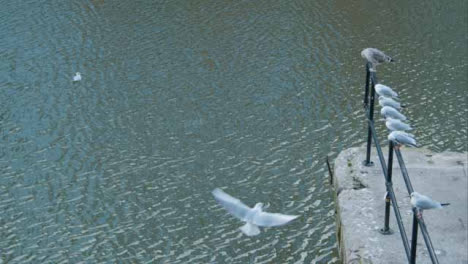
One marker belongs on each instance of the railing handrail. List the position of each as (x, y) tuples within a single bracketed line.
[(369, 98), (396, 209), (422, 224)]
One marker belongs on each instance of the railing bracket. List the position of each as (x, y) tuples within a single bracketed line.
[(386, 232)]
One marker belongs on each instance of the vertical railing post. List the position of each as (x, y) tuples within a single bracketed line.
[(366, 94), (414, 237), (368, 162), (386, 229)]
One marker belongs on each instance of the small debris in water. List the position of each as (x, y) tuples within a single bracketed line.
[(77, 77)]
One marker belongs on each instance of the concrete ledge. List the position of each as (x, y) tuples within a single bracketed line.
[(360, 200)]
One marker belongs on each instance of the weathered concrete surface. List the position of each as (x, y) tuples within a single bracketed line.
[(361, 192)]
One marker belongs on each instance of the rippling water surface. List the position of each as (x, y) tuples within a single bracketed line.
[(180, 97)]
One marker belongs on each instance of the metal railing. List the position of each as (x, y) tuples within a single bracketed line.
[(390, 200)]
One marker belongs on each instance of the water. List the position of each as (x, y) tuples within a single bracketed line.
[(181, 97)]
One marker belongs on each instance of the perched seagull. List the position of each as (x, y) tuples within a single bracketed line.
[(386, 101), (391, 112), (402, 138), (375, 57), (253, 217), (384, 90), (77, 77), (423, 202), (395, 125)]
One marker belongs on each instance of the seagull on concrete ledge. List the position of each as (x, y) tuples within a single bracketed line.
[(423, 202), (375, 57), (254, 217)]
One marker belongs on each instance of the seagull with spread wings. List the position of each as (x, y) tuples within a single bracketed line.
[(253, 217)]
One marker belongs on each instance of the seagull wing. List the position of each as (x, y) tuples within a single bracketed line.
[(405, 126), (401, 126), (424, 202), (392, 103), (395, 114), (272, 219), (378, 55), (390, 125), (231, 204), (405, 139)]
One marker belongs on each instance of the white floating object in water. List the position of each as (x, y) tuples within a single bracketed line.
[(77, 77)]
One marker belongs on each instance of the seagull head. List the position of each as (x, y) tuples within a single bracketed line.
[(363, 54), (414, 194), (258, 206)]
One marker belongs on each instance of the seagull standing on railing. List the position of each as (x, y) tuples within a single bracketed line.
[(386, 91), (396, 125), (375, 57), (254, 217), (386, 101), (402, 138), (391, 112), (423, 202)]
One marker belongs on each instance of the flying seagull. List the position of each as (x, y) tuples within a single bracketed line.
[(396, 125), (391, 112), (253, 217), (375, 57), (402, 138), (386, 101), (384, 90), (423, 202)]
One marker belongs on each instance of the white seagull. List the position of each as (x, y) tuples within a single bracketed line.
[(402, 138), (77, 77), (423, 202), (386, 101), (384, 90), (391, 112), (395, 125), (375, 57), (254, 217)]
